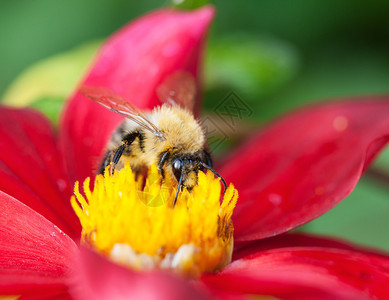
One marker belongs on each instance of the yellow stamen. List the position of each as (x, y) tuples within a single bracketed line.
[(137, 226)]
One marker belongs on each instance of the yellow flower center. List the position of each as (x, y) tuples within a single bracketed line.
[(132, 221)]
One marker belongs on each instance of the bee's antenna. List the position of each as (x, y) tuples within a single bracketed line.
[(216, 173), (178, 187)]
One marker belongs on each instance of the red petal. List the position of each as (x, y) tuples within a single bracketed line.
[(35, 255), (101, 279), (306, 273), (242, 249), (303, 165), (133, 62), (57, 295), (30, 168)]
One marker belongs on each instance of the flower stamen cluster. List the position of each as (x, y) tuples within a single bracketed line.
[(132, 220)]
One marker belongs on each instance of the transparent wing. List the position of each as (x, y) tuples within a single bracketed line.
[(116, 103), (179, 89)]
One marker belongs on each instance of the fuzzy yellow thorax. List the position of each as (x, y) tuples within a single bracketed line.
[(132, 221)]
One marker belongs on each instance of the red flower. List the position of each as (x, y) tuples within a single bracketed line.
[(288, 174)]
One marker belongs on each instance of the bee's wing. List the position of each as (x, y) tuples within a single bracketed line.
[(116, 103), (178, 88)]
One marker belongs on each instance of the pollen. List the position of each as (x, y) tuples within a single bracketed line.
[(132, 221)]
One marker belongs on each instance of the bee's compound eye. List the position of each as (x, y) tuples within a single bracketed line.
[(177, 164), (177, 168)]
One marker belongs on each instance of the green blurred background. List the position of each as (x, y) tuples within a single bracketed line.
[(275, 55)]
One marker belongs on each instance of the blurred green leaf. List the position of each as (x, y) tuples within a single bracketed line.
[(52, 78), (382, 162), (188, 4), (253, 67), (333, 73), (50, 107), (250, 64)]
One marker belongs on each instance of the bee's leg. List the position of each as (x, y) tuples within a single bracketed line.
[(162, 161), (178, 187), (207, 159), (106, 162), (128, 139), (216, 173), (116, 157)]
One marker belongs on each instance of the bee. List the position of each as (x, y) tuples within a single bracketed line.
[(169, 136)]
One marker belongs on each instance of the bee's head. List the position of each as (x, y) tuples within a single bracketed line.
[(185, 169)]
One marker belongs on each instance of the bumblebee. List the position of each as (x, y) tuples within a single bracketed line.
[(169, 136)]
